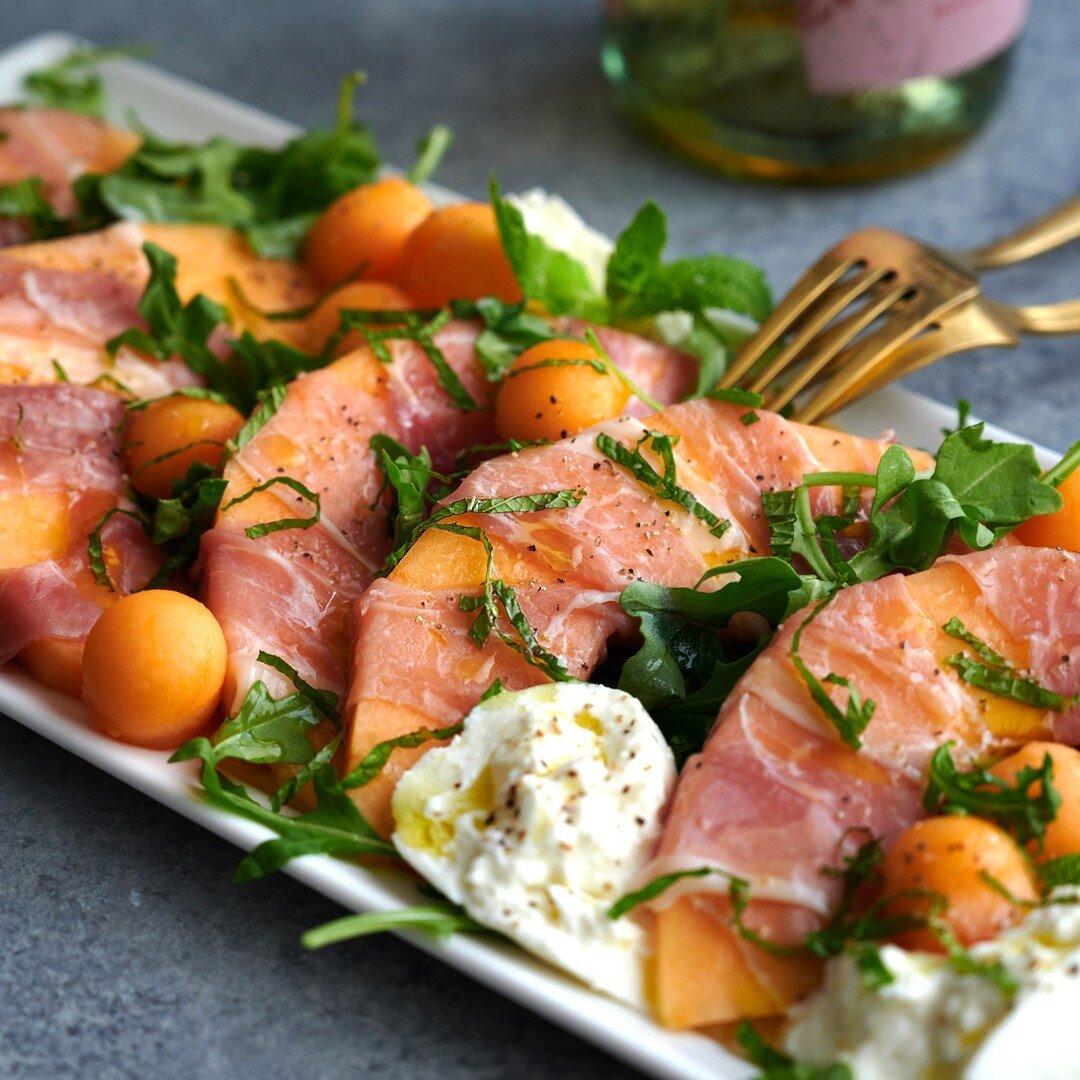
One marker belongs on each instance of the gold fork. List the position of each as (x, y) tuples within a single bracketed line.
[(918, 304)]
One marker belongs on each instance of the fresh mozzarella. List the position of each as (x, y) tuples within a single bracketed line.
[(932, 1020), (536, 819), (556, 222)]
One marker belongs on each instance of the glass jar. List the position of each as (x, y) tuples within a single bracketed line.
[(811, 90)]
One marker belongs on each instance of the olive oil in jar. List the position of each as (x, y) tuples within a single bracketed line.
[(811, 90)]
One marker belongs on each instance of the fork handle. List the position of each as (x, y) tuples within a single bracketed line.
[(1060, 318), (1050, 231)]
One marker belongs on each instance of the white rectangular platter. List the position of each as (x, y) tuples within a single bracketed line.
[(182, 110)]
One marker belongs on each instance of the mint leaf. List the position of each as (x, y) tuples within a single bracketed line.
[(73, 82), (547, 275), (1013, 806)]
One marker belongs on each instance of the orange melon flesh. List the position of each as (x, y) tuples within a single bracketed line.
[(701, 975), (55, 663), (33, 528)]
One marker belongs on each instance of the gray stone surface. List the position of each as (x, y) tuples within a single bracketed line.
[(125, 950)]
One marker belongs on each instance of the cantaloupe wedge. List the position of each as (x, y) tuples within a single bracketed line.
[(701, 974)]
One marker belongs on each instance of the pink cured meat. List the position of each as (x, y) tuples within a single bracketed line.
[(57, 147), (774, 795), (60, 442), (290, 593), (569, 566), (61, 306)]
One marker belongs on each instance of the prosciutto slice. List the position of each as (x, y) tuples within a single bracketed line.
[(62, 300), (775, 795), (59, 474), (57, 147), (415, 663), (290, 593)]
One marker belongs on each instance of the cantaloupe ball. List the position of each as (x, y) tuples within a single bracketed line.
[(355, 296), (457, 254), (547, 394), (153, 668), (1060, 529), (164, 439), (364, 231), (1062, 836), (952, 856)]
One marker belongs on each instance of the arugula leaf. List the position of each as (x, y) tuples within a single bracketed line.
[(271, 195), (1068, 464), (253, 532), (265, 731), (24, 200), (442, 920), (375, 759), (73, 82), (547, 275), (776, 1065), (682, 673), (666, 486), (850, 723), (1012, 806)]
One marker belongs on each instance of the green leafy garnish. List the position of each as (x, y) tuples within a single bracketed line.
[(375, 759), (24, 200), (73, 83), (654, 888), (498, 598), (174, 524), (409, 476), (662, 486), (776, 1065), (271, 195), (442, 920), (852, 721), (253, 532), (507, 331), (1013, 806), (992, 672), (547, 275), (272, 400), (1064, 870)]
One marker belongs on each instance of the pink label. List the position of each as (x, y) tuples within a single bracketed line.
[(853, 45)]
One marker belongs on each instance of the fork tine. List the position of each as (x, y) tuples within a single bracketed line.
[(825, 272), (830, 344), (869, 357), (832, 303)]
